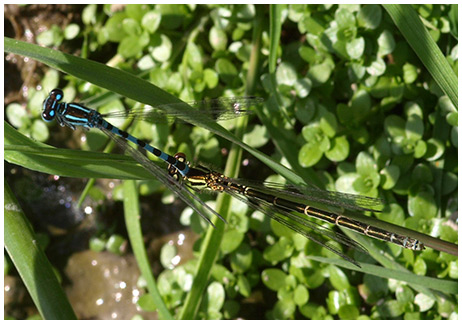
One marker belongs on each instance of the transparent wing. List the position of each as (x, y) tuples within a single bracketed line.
[(311, 193), (215, 109), (303, 226)]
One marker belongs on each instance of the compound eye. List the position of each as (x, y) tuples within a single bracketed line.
[(180, 157), (51, 104), (56, 94)]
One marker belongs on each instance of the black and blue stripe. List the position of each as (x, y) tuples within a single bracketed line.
[(73, 114)]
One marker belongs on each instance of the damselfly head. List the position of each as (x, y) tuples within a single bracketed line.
[(50, 104)]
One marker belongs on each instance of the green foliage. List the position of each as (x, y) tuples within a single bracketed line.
[(350, 107)]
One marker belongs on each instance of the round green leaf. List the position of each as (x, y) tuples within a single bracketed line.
[(71, 31), (129, 47), (404, 294), (39, 131), (279, 251), (348, 312), (173, 15), (422, 205), (424, 302), (355, 48), (420, 149), (97, 244), (365, 184), (449, 182), (339, 149), (159, 77), (308, 54), (435, 149), (174, 83), (17, 115), (257, 137), (116, 244), (312, 133), (377, 67), (345, 183), (151, 21), (391, 175), (337, 278), (360, 104), (386, 43), (215, 297), (305, 110), (344, 18), (51, 37), (301, 295), (243, 286), (334, 301), (446, 105), (146, 302), (167, 253), (218, 38), (284, 309), (309, 154), (114, 29), (370, 16), (281, 230), (136, 11), (328, 122), (420, 267), (89, 14), (409, 73), (395, 125), (344, 113), (241, 259), (422, 173), (274, 279), (146, 63), (414, 128), (320, 73), (452, 118), (286, 74), (243, 52), (226, 70), (303, 87), (163, 51), (131, 27), (210, 78), (365, 164), (231, 240), (356, 71)]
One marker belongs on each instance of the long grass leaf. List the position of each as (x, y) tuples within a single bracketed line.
[(32, 264)]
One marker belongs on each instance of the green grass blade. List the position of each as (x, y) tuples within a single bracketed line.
[(213, 238), (412, 28), (130, 86), (425, 283), (36, 156), (32, 264), (132, 221), (275, 35), (427, 240)]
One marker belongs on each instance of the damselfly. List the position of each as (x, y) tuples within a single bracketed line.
[(285, 204), (74, 114)]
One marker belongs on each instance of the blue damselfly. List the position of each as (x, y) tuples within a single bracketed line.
[(75, 114)]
